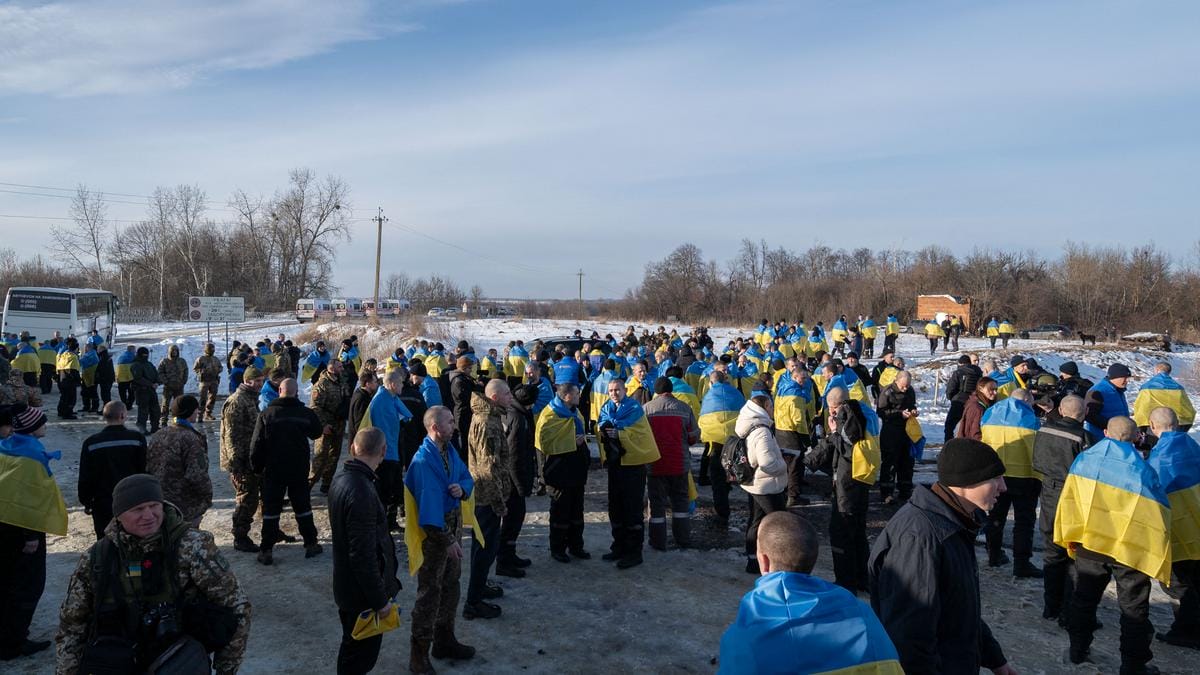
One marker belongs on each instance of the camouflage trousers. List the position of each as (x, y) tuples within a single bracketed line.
[(246, 491), (168, 394), (326, 452), (208, 396), (437, 589)]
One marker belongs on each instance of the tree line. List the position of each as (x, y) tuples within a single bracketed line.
[(1086, 287)]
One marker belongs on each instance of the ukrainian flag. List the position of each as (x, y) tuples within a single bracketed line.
[(893, 326), (632, 385), (838, 332), (47, 355), (868, 329), (29, 495), (427, 501), (88, 364), (27, 360), (815, 345), (487, 364), (435, 363), (795, 623), (786, 349), (556, 428), (393, 363), (719, 411), (888, 376), (853, 384), (600, 392), (518, 358), (762, 335), (792, 406), (633, 431), (1006, 327), (866, 455), (684, 392), (1161, 391), (993, 329), (1112, 503), (694, 374), (759, 359), (917, 435), (746, 377), (1009, 426), (934, 330), (1176, 460), (1007, 382)]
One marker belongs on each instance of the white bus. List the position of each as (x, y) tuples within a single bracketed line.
[(73, 312), (313, 309), (348, 307)]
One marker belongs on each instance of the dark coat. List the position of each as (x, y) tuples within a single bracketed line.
[(462, 385), (279, 446), (518, 426), (834, 455), (364, 554), (1055, 447), (413, 433), (359, 401), (145, 375), (925, 589), (962, 383), (106, 373), (107, 457), (972, 419)]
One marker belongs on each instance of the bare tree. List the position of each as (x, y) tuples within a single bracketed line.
[(313, 216), (398, 286), (81, 246)]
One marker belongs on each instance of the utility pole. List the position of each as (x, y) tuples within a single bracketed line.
[(580, 275), (379, 221)]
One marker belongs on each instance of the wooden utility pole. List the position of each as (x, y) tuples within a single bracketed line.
[(379, 221), (580, 275)]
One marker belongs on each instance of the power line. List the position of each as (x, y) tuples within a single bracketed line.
[(103, 192)]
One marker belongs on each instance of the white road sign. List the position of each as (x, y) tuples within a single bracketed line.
[(217, 309)]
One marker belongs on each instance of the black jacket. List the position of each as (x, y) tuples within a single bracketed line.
[(412, 435), (364, 554), (863, 373), (1077, 386), (875, 373), (107, 457), (461, 388), (893, 403), (834, 455), (1055, 447), (105, 371), (359, 401), (145, 375), (962, 383), (518, 426), (925, 589), (279, 446), (294, 358)]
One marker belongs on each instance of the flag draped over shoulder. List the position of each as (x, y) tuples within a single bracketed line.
[(719, 411), (1162, 391), (792, 409), (1112, 503), (600, 392), (796, 623), (515, 362), (684, 392), (556, 428), (1009, 426), (29, 495), (866, 455), (1176, 460), (633, 431), (427, 497)]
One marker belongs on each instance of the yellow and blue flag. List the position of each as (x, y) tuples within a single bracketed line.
[(1009, 426), (515, 362), (1113, 504), (1176, 460), (556, 427), (29, 495), (719, 411), (26, 359), (866, 454), (600, 392), (792, 406), (427, 499), (795, 623), (633, 431), (1163, 391), (684, 392)]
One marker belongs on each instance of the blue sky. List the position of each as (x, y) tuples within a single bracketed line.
[(600, 135)]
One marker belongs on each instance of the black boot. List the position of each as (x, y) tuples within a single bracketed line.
[(244, 543), (446, 646), (1023, 569)]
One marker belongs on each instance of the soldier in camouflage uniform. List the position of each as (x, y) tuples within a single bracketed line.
[(332, 404), (16, 391), (146, 530), (173, 376), (208, 371), (178, 456), (283, 360), (491, 464), (238, 416)]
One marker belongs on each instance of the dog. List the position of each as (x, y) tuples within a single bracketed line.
[(1084, 338)]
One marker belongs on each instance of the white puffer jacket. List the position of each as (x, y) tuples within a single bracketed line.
[(770, 475)]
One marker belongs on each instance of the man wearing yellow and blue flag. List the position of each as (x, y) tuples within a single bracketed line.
[(792, 622), (1115, 519), (26, 360), (1176, 460), (31, 505), (795, 409), (992, 331), (627, 446), (438, 498), (718, 417), (559, 435), (924, 576), (1162, 390), (388, 413), (1010, 426)]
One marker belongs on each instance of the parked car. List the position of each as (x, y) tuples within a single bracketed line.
[(1048, 331), (570, 343), (436, 311)]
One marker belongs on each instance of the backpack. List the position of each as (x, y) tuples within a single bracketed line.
[(735, 459)]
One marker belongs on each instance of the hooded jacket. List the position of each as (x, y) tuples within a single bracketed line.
[(770, 475)]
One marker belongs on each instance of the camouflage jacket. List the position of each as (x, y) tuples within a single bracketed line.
[(178, 455), (173, 373), (489, 457), (284, 362), (207, 368), (200, 569), (238, 416), (23, 393), (329, 400)]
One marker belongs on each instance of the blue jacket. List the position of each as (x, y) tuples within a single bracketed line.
[(1113, 404), (545, 395), (387, 413), (266, 395), (566, 371), (430, 391)]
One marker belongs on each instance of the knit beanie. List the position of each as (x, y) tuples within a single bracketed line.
[(133, 490), (526, 394), (1016, 361), (28, 420), (183, 406), (1069, 368), (251, 373), (1119, 370), (964, 462)]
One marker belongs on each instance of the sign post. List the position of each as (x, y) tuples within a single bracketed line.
[(224, 309)]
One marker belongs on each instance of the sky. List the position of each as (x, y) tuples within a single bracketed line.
[(548, 137)]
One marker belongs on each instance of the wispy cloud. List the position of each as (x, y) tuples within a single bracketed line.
[(73, 48)]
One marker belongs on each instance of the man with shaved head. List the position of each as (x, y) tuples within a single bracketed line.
[(1174, 458), (1058, 442), (279, 451)]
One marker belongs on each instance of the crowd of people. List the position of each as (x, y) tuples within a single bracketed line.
[(447, 439)]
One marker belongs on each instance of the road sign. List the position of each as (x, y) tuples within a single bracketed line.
[(216, 309)]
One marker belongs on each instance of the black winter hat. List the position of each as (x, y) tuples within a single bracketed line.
[(526, 394), (1016, 360), (964, 462), (142, 351), (1032, 363), (183, 406), (1119, 370), (1069, 368), (133, 490)]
